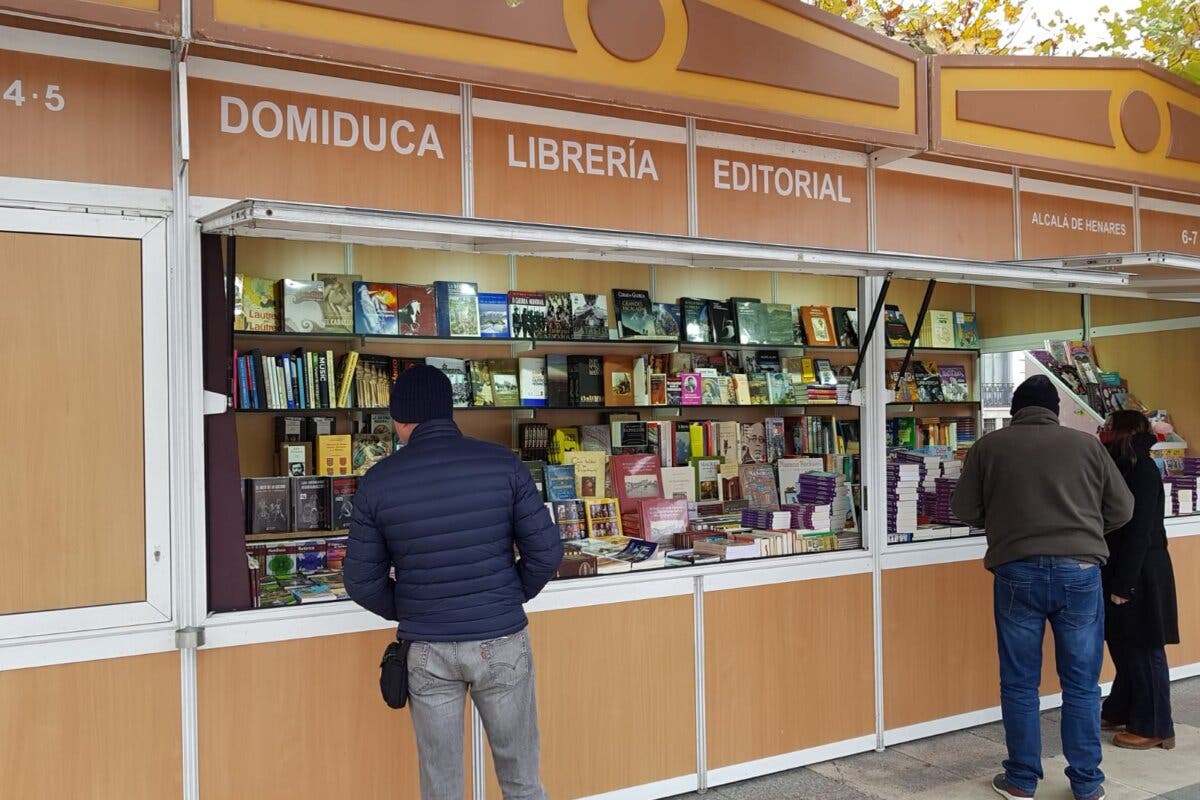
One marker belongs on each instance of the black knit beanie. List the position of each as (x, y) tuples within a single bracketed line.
[(422, 393), (1035, 391)]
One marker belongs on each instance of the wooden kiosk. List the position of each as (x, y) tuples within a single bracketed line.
[(686, 147)]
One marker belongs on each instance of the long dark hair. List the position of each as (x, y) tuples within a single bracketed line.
[(1123, 426)]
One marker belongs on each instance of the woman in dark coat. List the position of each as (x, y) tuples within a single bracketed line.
[(1139, 583)]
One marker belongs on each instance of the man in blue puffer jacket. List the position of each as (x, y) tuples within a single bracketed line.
[(445, 512)]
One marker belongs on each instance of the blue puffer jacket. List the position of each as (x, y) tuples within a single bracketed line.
[(445, 511)]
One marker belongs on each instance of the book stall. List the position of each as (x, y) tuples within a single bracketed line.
[(739, 347)]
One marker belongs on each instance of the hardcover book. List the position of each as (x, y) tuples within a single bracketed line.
[(678, 482), (825, 375), (558, 316), (537, 471), (751, 320), (779, 388), (618, 381), (334, 455), (558, 388), (526, 315), (759, 394), (589, 472), (938, 330), (585, 377), (560, 482), (955, 388), (845, 323), (505, 383), (896, 327), (341, 501), (268, 505), (309, 496), (597, 438), (260, 304), (661, 519), (533, 441), (708, 478), (696, 326), (303, 306), (493, 315), (369, 449), (603, 516), (634, 314), (295, 458), (375, 307), (776, 439), (532, 382), (636, 477), (338, 303), (929, 385), (460, 382), (658, 389), (589, 316), (482, 394), (457, 309), (572, 524), (416, 310), (722, 327), (754, 443), (758, 485), (818, 326), (779, 324), (966, 330), (667, 320)]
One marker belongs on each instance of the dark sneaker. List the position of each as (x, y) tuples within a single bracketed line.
[(1003, 788)]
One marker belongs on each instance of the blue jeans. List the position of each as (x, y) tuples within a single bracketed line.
[(1069, 595)]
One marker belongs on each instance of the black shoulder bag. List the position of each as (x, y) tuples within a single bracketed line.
[(393, 674)]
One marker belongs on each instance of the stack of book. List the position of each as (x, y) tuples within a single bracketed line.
[(811, 517), (904, 479), (763, 519), (943, 514), (1183, 494)]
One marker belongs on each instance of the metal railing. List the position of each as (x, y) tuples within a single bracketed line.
[(997, 395)]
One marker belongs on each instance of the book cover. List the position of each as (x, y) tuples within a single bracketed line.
[(493, 315), (506, 387), (369, 449), (585, 381), (758, 485), (929, 384), (896, 327), (759, 394), (775, 438), (825, 374), (708, 478), (603, 516), (576, 565), (532, 382), (661, 519), (416, 310), (597, 438), (303, 306), (634, 313), (678, 482), (818, 326), (751, 321), (260, 303), (589, 316), (340, 511), (589, 472), (295, 458), (338, 302), (482, 394), (375, 306), (779, 388), (722, 327), (779, 324), (636, 477), (558, 316), (966, 330), (560, 482), (533, 441), (457, 309), (309, 497), (790, 470), (691, 389), (940, 327), (310, 556), (845, 324), (754, 443), (460, 380), (334, 455), (658, 389), (667, 320), (674, 391), (741, 389), (558, 388), (268, 505), (537, 471), (571, 520), (767, 361), (526, 315), (618, 380), (696, 327), (904, 388), (710, 390), (565, 440)]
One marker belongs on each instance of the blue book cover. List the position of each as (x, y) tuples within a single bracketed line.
[(243, 383), (493, 315), (375, 309), (560, 482), (457, 309)]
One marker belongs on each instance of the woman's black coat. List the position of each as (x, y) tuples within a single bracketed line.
[(1139, 566)]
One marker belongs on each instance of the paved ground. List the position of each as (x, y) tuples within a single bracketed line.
[(958, 766)]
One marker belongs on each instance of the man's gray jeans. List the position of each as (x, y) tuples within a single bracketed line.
[(499, 675)]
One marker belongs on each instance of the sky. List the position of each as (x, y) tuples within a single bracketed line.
[(1082, 11)]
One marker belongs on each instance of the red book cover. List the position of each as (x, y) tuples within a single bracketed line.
[(636, 477), (662, 519), (416, 310)]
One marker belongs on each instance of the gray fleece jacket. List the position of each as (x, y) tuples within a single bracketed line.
[(1040, 489)]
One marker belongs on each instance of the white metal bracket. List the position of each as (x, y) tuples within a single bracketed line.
[(890, 155)]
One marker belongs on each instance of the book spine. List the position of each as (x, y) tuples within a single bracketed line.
[(251, 387), (322, 382), (310, 373), (277, 390), (441, 291), (348, 370), (330, 380), (266, 373), (301, 380), (243, 380), (293, 378)]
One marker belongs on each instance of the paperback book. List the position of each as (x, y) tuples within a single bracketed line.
[(493, 315), (634, 313), (416, 310), (558, 316), (589, 316), (375, 309)]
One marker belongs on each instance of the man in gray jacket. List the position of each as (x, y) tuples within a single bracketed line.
[(1046, 496)]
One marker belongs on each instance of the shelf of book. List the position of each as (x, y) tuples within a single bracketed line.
[(919, 404), (898, 352), (384, 409), (292, 536)]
